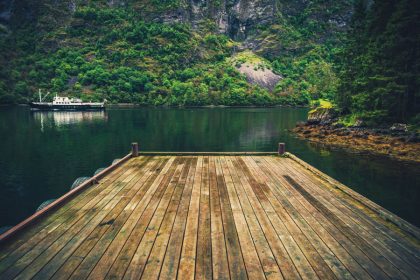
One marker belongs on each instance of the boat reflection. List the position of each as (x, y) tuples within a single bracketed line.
[(66, 118)]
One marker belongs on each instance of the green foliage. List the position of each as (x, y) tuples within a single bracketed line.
[(112, 54), (117, 53), (381, 61), (322, 80), (309, 68)]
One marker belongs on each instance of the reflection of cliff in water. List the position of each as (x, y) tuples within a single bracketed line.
[(64, 118)]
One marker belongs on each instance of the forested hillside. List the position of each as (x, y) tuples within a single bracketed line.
[(362, 56), (380, 71), (170, 52)]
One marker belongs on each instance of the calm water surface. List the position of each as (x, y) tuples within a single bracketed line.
[(41, 154)]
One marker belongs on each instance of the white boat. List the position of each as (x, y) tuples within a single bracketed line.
[(65, 103)]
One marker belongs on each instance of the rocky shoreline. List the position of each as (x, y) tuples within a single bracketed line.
[(396, 142)]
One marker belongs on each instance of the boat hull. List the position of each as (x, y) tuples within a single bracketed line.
[(66, 107)]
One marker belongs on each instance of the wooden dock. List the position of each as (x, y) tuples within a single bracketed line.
[(212, 216)]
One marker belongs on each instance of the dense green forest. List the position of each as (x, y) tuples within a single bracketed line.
[(117, 54), (380, 66), (362, 56)]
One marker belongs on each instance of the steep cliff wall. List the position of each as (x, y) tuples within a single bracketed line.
[(237, 18)]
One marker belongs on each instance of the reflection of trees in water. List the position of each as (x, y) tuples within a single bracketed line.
[(62, 118), (205, 129), (35, 165)]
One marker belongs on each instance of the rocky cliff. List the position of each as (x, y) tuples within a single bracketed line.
[(282, 37), (236, 18), (239, 19)]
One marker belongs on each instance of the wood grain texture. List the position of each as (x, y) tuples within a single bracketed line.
[(214, 216)]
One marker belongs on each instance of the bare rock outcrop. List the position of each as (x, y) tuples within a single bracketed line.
[(262, 77), (257, 70)]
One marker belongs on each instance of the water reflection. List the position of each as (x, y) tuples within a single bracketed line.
[(39, 165), (65, 118)]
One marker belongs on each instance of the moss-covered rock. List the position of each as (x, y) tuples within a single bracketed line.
[(322, 115)]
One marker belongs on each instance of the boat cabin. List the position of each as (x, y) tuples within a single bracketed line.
[(58, 100)]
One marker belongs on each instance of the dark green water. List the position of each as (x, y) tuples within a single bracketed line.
[(41, 154)]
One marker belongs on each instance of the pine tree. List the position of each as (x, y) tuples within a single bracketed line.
[(353, 50), (381, 65)]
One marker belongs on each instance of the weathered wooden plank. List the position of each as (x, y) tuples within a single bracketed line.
[(92, 249), (314, 258), (203, 268), (61, 249), (218, 244), (157, 153), (107, 259), (374, 255), (268, 261), (385, 214), (236, 261), (393, 265), (166, 209), (258, 258), (327, 230), (349, 246), (157, 254), (61, 236), (172, 257), (373, 232), (19, 244), (369, 215), (210, 216), (144, 212), (283, 259), (318, 237), (189, 247), (297, 255)]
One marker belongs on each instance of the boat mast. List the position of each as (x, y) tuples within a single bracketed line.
[(40, 95)]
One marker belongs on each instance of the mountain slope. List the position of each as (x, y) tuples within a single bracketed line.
[(173, 52)]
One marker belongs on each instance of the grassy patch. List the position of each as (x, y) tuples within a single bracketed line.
[(348, 120), (251, 59)]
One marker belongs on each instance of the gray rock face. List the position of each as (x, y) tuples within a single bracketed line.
[(237, 18), (246, 14), (241, 19), (262, 77)]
